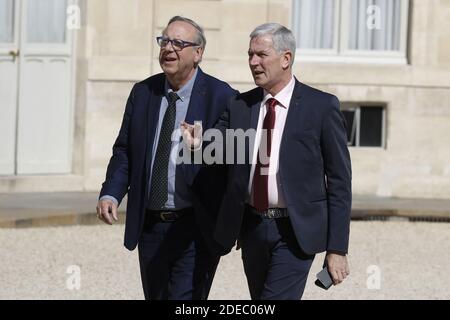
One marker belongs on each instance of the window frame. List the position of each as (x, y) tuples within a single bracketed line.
[(340, 51), (356, 106), (42, 48), (319, 52), (5, 47)]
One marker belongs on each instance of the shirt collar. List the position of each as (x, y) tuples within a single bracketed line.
[(186, 90), (284, 96)]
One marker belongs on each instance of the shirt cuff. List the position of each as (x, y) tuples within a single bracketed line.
[(107, 197), (341, 253)]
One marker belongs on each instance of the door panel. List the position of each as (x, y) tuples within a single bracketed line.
[(8, 84), (44, 119), (44, 133), (8, 103)]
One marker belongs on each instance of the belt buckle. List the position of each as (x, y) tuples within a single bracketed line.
[(164, 216), (271, 213)]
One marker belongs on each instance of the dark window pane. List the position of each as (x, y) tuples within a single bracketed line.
[(371, 127), (349, 116)]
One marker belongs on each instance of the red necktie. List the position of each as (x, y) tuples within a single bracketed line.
[(260, 177)]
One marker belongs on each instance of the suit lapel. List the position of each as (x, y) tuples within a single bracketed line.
[(153, 109), (255, 104), (197, 106), (291, 122), (289, 128), (254, 117), (291, 119), (197, 110)]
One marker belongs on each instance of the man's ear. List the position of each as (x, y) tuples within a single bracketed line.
[(198, 55), (286, 59)]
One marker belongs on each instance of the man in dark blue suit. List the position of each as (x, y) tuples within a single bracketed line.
[(290, 197), (171, 207)]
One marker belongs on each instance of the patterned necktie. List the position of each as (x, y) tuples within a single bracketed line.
[(159, 183), (260, 177)]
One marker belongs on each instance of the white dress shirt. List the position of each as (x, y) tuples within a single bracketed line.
[(275, 189)]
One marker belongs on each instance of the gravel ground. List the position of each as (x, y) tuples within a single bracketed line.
[(412, 259)]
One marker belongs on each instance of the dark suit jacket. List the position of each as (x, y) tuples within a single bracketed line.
[(129, 167), (314, 169)]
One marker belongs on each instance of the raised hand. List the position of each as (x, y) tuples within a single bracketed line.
[(192, 134)]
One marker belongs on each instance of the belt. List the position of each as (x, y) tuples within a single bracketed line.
[(167, 215), (270, 213)]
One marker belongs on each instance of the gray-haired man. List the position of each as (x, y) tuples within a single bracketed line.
[(297, 204)]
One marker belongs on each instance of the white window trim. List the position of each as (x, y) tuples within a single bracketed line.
[(319, 58), (340, 53)]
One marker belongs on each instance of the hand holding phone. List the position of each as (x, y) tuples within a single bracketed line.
[(324, 279)]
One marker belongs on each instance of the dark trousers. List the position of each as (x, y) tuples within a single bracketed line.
[(174, 261), (275, 265)]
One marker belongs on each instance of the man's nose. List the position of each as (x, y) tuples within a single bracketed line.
[(253, 61), (168, 46)]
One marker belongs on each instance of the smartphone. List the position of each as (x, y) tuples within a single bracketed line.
[(324, 279)]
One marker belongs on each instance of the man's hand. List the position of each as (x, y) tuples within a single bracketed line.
[(192, 134), (337, 267), (107, 211)]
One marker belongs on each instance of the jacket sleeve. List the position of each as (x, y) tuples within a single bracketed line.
[(337, 168), (223, 123), (116, 182)]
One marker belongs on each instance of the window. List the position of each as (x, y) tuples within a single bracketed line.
[(368, 33), (314, 29), (365, 125), (6, 21), (46, 21), (351, 28)]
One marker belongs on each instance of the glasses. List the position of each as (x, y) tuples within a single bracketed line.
[(177, 44)]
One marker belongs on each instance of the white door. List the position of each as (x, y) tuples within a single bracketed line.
[(43, 89), (9, 62)]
